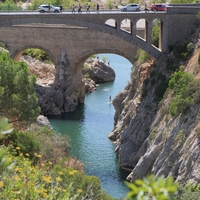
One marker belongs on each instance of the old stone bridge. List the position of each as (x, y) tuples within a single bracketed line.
[(70, 39)]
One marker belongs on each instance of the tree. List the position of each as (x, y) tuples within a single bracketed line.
[(17, 90)]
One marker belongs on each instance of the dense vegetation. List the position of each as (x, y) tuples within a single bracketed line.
[(18, 100)]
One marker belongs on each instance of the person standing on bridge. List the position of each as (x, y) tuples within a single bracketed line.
[(87, 8), (73, 8), (79, 8), (61, 8), (97, 8)]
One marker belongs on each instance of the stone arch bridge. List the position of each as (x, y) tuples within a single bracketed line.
[(70, 39)]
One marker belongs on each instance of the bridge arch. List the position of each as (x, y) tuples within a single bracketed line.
[(158, 26), (111, 23), (82, 58), (142, 29), (126, 25), (18, 53)]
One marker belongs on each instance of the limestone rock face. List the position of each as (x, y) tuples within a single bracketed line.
[(148, 139), (99, 72)]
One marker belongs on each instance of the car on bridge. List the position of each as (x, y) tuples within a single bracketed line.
[(131, 7), (48, 8), (158, 7)]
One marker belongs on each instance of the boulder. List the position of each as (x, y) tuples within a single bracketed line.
[(98, 71)]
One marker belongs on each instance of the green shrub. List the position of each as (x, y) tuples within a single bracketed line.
[(180, 105), (104, 59), (86, 67), (25, 142), (190, 47), (142, 56), (38, 54), (199, 57), (151, 187), (86, 76), (183, 49), (179, 81), (186, 92), (186, 192)]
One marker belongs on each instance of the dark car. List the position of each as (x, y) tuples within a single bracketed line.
[(158, 7)]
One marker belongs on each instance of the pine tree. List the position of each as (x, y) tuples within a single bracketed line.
[(17, 90)]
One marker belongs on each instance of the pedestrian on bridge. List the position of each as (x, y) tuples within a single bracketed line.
[(87, 8), (97, 8), (73, 8), (61, 8), (79, 8)]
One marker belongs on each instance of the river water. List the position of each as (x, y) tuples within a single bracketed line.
[(89, 126)]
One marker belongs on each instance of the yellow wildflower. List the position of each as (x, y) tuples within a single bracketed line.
[(18, 169), (45, 195), (79, 190), (18, 148), (35, 154), (27, 154), (1, 184), (60, 173), (72, 172), (46, 179), (50, 163), (21, 154), (58, 179), (43, 165), (16, 178)]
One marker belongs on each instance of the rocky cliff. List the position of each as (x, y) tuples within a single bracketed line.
[(148, 138)]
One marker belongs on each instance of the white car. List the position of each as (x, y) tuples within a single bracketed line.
[(131, 7), (48, 8)]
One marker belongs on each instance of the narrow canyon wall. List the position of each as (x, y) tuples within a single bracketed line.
[(148, 139)]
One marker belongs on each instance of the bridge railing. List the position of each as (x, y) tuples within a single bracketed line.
[(183, 9)]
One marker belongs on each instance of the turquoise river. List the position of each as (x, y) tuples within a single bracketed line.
[(89, 126)]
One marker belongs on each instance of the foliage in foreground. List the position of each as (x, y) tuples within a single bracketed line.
[(23, 180), (26, 176), (152, 188)]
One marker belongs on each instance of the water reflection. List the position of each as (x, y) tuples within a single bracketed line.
[(77, 115)]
